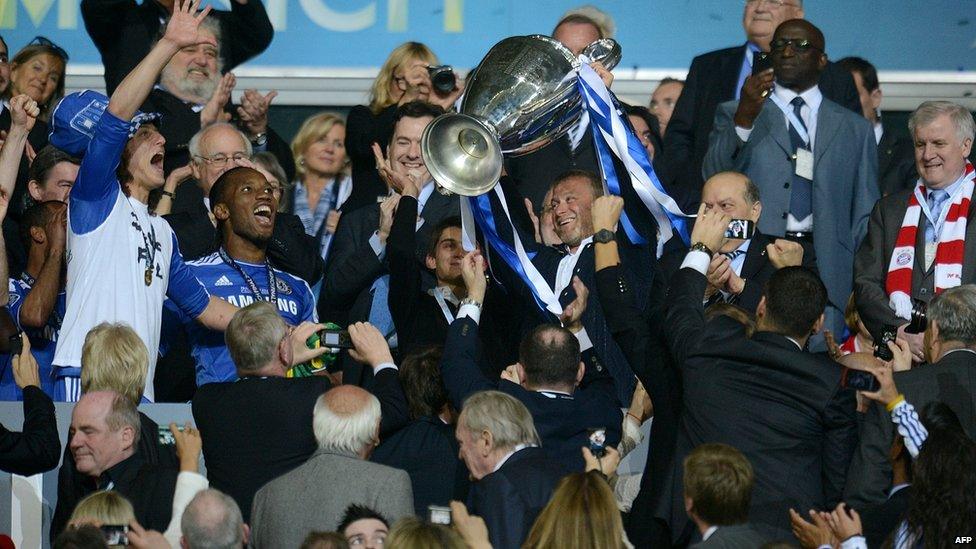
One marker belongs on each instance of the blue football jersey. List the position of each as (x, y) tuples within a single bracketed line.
[(43, 342), (296, 304)]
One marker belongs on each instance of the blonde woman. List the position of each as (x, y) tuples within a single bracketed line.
[(402, 78), (324, 183)]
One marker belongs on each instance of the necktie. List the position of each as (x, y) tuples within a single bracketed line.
[(936, 200), (733, 254), (801, 197), (379, 309)]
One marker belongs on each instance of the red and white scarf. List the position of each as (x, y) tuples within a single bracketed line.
[(948, 253)]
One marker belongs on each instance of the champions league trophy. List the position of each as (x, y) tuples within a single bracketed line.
[(521, 97)]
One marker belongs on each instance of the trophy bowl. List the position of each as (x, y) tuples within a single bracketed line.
[(521, 97)]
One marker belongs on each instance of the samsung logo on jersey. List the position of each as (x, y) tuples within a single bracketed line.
[(284, 305)]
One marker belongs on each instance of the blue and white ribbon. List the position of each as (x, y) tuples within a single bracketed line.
[(611, 135)]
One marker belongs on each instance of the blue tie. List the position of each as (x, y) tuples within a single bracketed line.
[(379, 309), (801, 197), (936, 200)]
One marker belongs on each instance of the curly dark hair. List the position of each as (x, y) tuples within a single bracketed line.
[(943, 502)]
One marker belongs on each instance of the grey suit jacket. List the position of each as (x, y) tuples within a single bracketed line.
[(845, 180), (951, 380), (739, 536), (871, 262), (315, 495)]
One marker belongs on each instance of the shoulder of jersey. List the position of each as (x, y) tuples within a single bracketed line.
[(212, 259)]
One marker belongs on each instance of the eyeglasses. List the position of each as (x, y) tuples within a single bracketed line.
[(799, 46), (220, 160), (772, 3), (42, 41)]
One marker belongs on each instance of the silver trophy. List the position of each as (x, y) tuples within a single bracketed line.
[(521, 97)]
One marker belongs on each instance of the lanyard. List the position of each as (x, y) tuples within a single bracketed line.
[(793, 120), (439, 297), (272, 280)]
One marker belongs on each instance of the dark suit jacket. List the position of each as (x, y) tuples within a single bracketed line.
[(124, 32), (363, 128), (756, 269), (16, 254), (179, 123), (561, 420), (880, 520), (711, 81), (511, 498), (153, 457), (951, 380), (874, 255), (896, 163), (781, 407), (353, 266), (739, 536), (427, 450), (289, 249), (34, 450)]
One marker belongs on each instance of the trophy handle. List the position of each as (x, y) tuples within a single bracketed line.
[(462, 154), (606, 51)]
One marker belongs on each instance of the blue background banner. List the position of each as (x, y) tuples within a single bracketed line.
[(911, 35)]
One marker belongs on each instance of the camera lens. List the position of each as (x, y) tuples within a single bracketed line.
[(443, 79)]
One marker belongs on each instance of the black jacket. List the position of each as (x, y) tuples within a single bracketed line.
[(711, 80), (124, 31), (781, 407), (896, 163), (427, 450), (562, 421), (153, 459), (34, 450), (511, 498), (363, 128), (257, 429)]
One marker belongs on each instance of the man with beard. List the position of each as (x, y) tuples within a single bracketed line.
[(244, 204), (123, 31), (191, 94)]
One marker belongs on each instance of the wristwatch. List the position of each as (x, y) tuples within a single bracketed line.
[(260, 139), (701, 247), (603, 236), (469, 301)]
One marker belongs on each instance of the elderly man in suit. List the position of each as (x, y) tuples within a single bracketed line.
[(949, 377), (814, 162), (922, 240), (346, 421), (742, 266), (716, 77), (513, 477)]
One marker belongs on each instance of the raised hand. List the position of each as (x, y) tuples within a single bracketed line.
[(25, 367), (755, 90), (844, 522), (606, 212), (369, 345), (213, 111), (473, 272), (812, 535), (387, 211), (23, 111), (254, 111), (603, 73), (183, 28), (297, 340), (404, 184), (189, 445), (785, 253), (710, 227)]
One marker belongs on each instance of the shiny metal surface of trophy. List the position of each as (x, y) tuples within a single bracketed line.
[(521, 97)]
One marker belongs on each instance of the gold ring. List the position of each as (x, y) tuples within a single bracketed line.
[(764, 94)]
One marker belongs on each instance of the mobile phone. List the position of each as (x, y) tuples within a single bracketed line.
[(881, 350), (437, 514), (166, 436), (740, 229), (761, 61), (16, 344), (335, 339), (598, 441), (859, 380), (115, 534)]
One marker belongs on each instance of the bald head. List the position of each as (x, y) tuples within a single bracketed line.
[(550, 357), (734, 194), (212, 519), (346, 420), (104, 431), (798, 54)]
